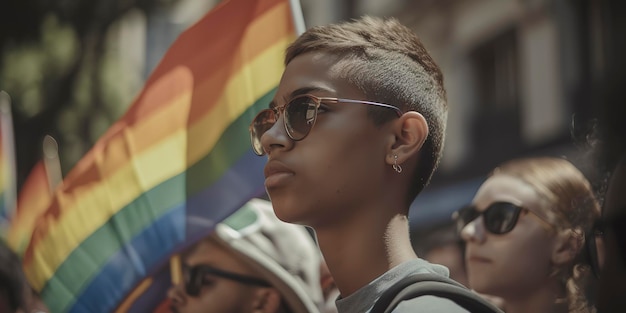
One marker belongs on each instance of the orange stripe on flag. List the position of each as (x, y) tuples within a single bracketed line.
[(165, 116), (33, 200)]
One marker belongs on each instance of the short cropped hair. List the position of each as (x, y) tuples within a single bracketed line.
[(388, 63)]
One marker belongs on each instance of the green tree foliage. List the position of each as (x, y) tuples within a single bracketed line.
[(56, 64)]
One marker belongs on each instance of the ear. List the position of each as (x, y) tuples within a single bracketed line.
[(266, 300), (411, 131), (568, 244)]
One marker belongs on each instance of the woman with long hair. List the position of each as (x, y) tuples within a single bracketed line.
[(525, 235)]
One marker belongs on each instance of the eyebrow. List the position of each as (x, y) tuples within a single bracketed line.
[(298, 92)]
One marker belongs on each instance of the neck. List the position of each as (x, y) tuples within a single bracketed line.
[(358, 253), (540, 300)]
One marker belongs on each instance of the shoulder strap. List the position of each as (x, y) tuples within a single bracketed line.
[(434, 285)]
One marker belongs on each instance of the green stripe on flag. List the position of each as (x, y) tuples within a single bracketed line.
[(85, 262)]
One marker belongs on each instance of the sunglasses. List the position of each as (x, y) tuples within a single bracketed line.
[(196, 278), (499, 217), (300, 115)]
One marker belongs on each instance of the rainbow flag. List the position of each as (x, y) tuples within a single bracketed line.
[(5, 211), (33, 200), (150, 295), (7, 165), (178, 162)]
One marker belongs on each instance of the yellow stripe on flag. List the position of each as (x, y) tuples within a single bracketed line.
[(265, 71)]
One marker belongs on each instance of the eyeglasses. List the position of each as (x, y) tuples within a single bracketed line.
[(196, 277), (499, 217), (300, 116)]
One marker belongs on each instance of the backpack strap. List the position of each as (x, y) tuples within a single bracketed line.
[(423, 284)]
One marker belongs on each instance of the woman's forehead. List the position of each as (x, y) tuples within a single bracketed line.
[(508, 189)]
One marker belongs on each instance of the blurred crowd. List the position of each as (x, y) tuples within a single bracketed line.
[(535, 238)]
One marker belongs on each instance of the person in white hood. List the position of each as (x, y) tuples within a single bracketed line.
[(253, 262)]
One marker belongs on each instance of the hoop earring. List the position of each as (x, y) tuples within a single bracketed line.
[(396, 166)]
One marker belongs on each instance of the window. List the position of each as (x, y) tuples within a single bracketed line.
[(496, 125)]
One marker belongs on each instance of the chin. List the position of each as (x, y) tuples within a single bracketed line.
[(284, 210), (289, 216), (481, 284), (283, 216)]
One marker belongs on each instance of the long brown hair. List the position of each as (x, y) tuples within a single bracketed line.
[(570, 204)]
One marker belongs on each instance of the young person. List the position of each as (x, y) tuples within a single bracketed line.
[(353, 134), (525, 236), (253, 262)]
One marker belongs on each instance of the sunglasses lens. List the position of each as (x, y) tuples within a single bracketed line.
[(300, 116), (261, 123), (465, 216), (193, 281), (501, 217)]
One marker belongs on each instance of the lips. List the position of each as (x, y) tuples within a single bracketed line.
[(276, 174), (275, 167), (478, 259)]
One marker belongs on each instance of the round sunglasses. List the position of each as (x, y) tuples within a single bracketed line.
[(195, 278), (300, 114), (499, 217)]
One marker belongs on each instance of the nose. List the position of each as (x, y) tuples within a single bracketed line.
[(276, 137), (474, 231), (177, 295)]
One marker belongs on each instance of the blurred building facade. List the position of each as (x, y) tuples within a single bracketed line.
[(518, 75)]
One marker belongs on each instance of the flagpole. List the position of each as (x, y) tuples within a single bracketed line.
[(52, 163), (298, 18), (8, 148)]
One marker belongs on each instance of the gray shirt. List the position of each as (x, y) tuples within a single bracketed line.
[(363, 299)]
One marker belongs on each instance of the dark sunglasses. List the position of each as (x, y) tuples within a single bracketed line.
[(196, 277), (300, 115), (499, 217)]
